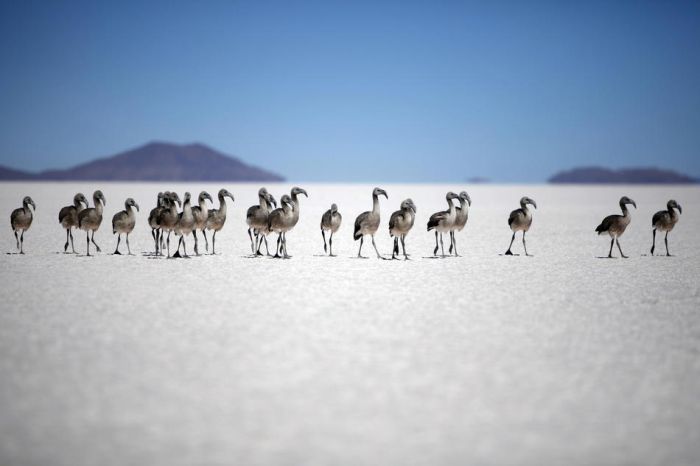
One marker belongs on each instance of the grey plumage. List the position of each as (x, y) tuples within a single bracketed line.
[(330, 221), (257, 220), (400, 223), (367, 223), (184, 225), (443, 221), (200, 212), (68, 218), (153, 221), (461, 217), (615, 225), (665, 220), (21, 219), (520, 220), (217, 217), (295, 203), (168, 216), (90, 219), (123, 222), (280, 221)]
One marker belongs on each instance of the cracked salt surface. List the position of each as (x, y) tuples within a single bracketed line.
[(561, 358)]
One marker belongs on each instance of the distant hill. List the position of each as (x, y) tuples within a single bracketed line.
[(156, 161), (622, 176), (9, 174)]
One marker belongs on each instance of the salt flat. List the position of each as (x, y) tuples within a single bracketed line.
[(560, 358)]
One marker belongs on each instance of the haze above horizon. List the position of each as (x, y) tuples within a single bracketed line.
[(325, 91)]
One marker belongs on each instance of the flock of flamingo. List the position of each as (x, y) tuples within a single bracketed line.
[(265, 218)]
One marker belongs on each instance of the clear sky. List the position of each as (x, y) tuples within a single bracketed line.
[(357, 91)]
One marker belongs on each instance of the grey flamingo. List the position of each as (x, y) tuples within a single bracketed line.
[(443, 221), (461, 217), (257, 219), (68, 218), (400, 223), (21, 220), (615, 225), (520, 220), (280, 221), (90, 219), (124, 222), (295, 202), (168, 216), (330, 221), (665, 220), (367, 223), (217, 217), (153, 220), (185, 225), (201, 213)]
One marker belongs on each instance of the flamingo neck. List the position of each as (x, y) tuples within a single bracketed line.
[(375, 204)]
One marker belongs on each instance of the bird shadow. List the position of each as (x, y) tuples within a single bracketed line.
[(14, 254), (606, 257)]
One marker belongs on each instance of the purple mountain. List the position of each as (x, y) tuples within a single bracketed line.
[(622, 176), (156, 161)]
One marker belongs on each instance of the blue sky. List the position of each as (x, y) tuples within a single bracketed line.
[(357, 91)]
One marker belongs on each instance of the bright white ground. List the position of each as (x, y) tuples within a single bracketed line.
[(561, 358)]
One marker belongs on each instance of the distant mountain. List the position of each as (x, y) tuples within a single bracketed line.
[(622, 176), (156, 161), (9, 174)]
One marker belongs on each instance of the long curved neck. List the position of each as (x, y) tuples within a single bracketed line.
[(25, 206), (672, 212), (375, 204), (98, 206), (264, 205), (203, 205), (524, 206), (77, 203), (625, 211), (452, 206), (222, 205)]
